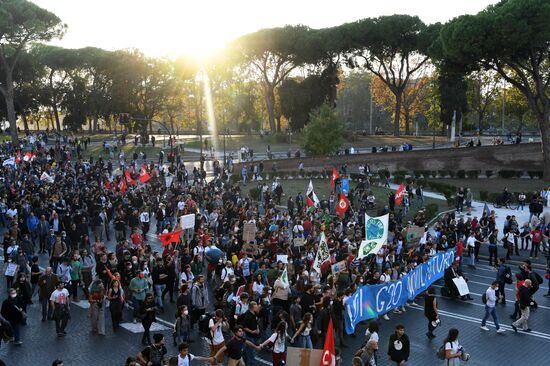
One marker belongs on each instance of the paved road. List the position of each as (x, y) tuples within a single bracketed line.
[(81, 347)]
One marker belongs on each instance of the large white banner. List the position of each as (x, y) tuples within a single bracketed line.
[(376, 234)]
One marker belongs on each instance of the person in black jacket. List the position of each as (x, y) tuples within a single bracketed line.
[(12, 311), (524, 300), (399, 346)]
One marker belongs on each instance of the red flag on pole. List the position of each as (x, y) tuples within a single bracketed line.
[(309, 202), (335, 176), (399, 194), (129, 178), (122, 185), (329, 356), (343, 205), (18, 158), (173, 237), (144, 175), (108, 185)]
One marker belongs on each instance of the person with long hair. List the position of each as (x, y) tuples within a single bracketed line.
[(96, 299), (453, 351), (304, 331), (148, 316), (116, 302), (278, 341)]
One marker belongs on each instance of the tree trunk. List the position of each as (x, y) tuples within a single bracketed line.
[(544, 124), (397, 114), (56, 115), (270, 106), (90, 126), (11, 111), (95, 123), (38, 124), (407, 122), (25, 122)]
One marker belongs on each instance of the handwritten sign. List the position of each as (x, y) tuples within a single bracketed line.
[(298, 242), (249, 232), (187, 221), (11, 269)]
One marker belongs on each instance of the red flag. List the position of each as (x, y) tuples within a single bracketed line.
[(129, 177), (144, 175), (399, 194), (329, 356), (335, 176), (343, 205), (173, 237), (309, 202), (18, 158), (108, 185), (28, 156), (122, 185)]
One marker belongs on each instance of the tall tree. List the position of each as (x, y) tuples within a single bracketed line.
[(482, 88), (271, 55), (512, 38), (393, 48), (21, 23)]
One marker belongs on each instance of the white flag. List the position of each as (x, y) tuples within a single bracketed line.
[(284, 279), (311, 194), (168, 180), (45, 177), (376, 235), (322, 255), (9, 161)]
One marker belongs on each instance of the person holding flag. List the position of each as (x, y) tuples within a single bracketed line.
[(335, 176), (311, 197), (343, 205), (399, 194), (144, 174)]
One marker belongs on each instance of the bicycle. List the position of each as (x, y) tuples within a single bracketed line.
[(510, 203)]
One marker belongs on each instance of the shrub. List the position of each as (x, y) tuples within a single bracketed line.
[(535, 174), (431, 210), (452, 173), (489, 173), (493, 197), (433, 173), (472, 174), (417, 174), (323, 133), (483, 195), (461, 174), (443, 173), (507, 174)]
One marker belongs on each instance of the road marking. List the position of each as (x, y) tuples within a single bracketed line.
[(478, 321), (138, 327), (510, 301), (493, 278)]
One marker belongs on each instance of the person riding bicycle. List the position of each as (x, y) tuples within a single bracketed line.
[(505, 196)]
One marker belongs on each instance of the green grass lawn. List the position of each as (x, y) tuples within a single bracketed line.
[(322, 190)]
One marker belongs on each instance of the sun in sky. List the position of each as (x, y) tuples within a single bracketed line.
[(201, 27)]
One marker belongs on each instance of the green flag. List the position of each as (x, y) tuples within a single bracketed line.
[(284, 279)]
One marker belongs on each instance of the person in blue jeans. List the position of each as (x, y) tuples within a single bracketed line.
[(304, 332), (491, 299), (159, 282)]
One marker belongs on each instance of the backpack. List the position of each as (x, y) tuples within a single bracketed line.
[(484, 298), (538, 278), (508, 275), (441, 352), (204, 328)]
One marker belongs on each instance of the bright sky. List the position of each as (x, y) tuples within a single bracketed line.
[(176, 27)]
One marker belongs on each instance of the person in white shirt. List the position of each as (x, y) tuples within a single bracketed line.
[(227, 271), (491, 300), (471, 244), (185, 358), (59, 300), (217, 324), (278, 340)]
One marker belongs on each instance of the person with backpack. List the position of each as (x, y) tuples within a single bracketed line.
[(452, 351), (504, 276), (489, 298), (153, 355), (278, 341), (184, 357), (216, 326)]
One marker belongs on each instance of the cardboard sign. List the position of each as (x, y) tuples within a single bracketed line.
[(461, 285), (283, 258), (339, 267), (249, 232), (187, 221), (11, 269), (298, 242), (303, 356)]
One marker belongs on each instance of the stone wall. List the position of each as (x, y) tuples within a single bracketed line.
[(524, 157)]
